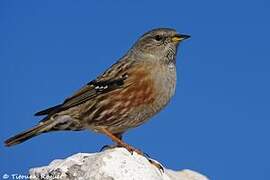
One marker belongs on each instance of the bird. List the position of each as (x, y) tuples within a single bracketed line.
[(125, 96)]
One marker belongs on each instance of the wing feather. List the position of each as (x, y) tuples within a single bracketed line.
[(107, 82)]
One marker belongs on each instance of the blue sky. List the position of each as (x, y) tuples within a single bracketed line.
[(217, 123)]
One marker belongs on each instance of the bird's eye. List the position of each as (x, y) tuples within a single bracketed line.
[(158, 38)]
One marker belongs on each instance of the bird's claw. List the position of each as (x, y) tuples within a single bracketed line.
[(132, 150), (156, 164), (105, 147), (153, 162)]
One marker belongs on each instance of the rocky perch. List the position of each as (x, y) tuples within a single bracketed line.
[(112, 164)]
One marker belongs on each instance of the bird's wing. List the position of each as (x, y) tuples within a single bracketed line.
[(113, 78), (93, 89)]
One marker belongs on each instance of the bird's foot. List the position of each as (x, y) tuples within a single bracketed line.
[(120, 143), (126, 146), (105, 147), (131, 149), (156, 164)]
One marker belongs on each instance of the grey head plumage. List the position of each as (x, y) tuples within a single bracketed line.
[(161, 44)]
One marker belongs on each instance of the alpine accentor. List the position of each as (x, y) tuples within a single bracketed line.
[(130, 92)]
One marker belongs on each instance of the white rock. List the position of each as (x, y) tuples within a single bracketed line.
[(112, 164)]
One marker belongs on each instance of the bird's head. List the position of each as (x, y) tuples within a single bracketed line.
[(159, 43)]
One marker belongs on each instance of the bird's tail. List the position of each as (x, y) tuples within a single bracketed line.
[(34, 131)]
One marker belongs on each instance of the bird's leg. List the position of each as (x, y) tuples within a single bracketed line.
[(119, 135), (117, 138)]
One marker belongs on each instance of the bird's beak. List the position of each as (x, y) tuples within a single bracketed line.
[(179, 37)]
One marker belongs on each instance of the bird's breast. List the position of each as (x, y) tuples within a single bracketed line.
[(164, 80), (146, 91)]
